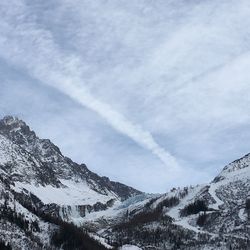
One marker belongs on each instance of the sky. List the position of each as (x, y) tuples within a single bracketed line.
[(151, 93)]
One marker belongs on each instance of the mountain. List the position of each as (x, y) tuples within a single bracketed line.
[(47, 201), (31, 160), (210, 216), (38, 174)]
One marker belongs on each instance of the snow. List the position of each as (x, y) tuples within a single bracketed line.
[(174, 212), (119, 208), (242, 214), (231, 175), (138, 199), (101, 240), (45, 228), (184, 222), (129, 247), (218, 202), (242, 174), (5, 145), (72, 194)]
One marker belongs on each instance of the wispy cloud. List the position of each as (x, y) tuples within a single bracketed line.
[(34, 49), (172, 76), (122, 124)]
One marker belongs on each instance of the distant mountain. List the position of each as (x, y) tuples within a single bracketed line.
[(209, 216), (42, 192)]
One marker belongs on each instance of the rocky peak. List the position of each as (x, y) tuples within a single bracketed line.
[(11, 120), (241, 163), (16, 130), (13, 124), (234, 168), (20, 133), (39, 161)]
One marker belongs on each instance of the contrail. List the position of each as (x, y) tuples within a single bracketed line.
[(34, 49), (121, 123)]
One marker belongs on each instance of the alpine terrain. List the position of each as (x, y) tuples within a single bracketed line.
[(47, 201)]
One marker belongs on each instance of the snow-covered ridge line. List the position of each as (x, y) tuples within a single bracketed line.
[(37, 172), (37, 166)]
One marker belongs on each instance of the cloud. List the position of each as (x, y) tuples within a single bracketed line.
[(34, 49), (121, 124), (169, 75)]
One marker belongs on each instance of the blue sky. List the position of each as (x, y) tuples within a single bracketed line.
[(154, 94)]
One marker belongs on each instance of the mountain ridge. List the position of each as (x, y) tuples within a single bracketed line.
[(42, 192), (19, 133)]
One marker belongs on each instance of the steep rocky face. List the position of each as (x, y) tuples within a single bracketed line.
[(37, 165)]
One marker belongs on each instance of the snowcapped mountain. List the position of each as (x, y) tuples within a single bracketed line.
[(210, 216), (35, 173), (38, 166), (42, 191), (38, 161)]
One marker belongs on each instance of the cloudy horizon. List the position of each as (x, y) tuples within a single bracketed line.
[(153, 94)]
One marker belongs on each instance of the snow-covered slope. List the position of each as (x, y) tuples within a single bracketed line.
[(13, 231), (209, 216), (40, 189), (37, 166), (26, 226), (226, 194)]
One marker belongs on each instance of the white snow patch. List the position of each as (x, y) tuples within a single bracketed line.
[(72, 194), (101, 240), (129, 247), (218, 202), (230, 177), (242, 214), (174, 212), (119, 208)]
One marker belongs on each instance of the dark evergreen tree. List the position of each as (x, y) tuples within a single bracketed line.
[(194, 208)]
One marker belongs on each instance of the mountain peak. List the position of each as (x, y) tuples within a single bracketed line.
[(234, 168), (12, 121), (16, 130), (41, 162), (13, 124)]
